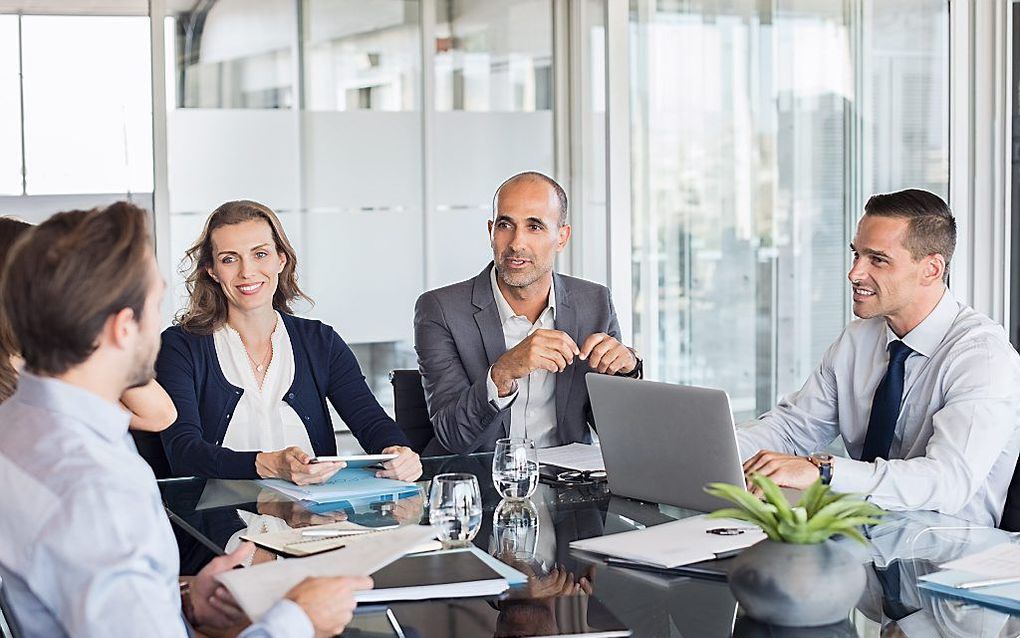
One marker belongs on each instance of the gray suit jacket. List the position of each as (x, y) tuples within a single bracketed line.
[(458, 336)]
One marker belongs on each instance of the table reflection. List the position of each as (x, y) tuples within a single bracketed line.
[(567, 588)]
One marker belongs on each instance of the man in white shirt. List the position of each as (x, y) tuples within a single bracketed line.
[(924, 390), (505, 352), (85, 546)]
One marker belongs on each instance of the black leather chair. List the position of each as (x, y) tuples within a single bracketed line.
[(411, 411), (150, 448), (1011, 512), (8, 626)]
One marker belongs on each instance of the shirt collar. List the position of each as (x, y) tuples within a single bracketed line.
[(927, 335), (106, 419), (503, 306)]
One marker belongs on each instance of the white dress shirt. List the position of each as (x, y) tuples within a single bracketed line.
[(958, 432), (262, 421), (533, 414), (86, 548)]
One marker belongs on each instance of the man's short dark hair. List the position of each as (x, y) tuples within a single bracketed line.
[(535, 176), (932, 227), (68, 276)]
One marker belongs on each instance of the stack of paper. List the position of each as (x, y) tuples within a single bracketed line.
[(258, 588), (676, 543), (346, 485), (315, 539), (576, 456), (990, 577)]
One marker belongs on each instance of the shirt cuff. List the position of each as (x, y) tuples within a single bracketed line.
[(285, 619), (500, 402), (852, 477)]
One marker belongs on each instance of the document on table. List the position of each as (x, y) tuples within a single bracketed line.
[(1001, 561), (676, 543), (258, 588), (576, 456), (316, 539), (347, 484)]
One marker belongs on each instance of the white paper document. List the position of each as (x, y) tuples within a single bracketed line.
[(676, 543), (258, 588), (576, 456), (1001, 561)]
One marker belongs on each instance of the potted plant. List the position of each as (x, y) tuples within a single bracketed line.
[(797, 577)]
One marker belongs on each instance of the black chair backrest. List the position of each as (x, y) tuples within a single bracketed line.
[(8, 625), (150, 448), (410, 409), (1011, 512)]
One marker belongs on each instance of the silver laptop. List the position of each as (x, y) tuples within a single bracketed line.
[(662, 442)]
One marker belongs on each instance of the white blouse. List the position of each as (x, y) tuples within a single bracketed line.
[(262, 421)]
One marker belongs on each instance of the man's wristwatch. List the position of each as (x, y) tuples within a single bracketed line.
[(823, 462)]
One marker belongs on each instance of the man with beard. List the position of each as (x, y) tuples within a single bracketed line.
[(505, 353), (85, 546), (924, 390)]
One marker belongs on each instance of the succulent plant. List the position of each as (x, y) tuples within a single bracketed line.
[(818, 515)]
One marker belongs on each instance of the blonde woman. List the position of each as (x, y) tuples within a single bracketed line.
[(250, 380)]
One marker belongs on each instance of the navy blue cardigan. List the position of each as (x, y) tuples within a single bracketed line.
[(324, 367)]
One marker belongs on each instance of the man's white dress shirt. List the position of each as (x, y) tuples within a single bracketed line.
[(262, 421), (533, 414), (958, 432), (86, 548)]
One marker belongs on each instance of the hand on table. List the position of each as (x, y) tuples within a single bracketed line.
[(406, 467), (293, 464), (329, 602), (606, 355), (785, 470)]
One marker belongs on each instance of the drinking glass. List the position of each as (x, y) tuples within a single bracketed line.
[(515, 529), (455, 508), (515, 468)]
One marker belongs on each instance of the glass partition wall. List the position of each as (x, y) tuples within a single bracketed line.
[(320, 108), (758, 130)]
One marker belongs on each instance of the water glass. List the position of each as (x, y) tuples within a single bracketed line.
[(515, 529), (455, 508), (515, 468)]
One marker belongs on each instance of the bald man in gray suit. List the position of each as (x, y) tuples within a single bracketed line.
[(505, 353)]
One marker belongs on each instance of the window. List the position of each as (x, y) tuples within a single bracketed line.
[(10, 108), (758, 131), (88, 113)]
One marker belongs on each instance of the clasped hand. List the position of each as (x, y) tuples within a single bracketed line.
[(554, 350)]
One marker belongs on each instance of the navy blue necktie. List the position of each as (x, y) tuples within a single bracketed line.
[(885, 408)]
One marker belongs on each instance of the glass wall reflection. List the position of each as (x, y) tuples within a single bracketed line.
[(758, 131)]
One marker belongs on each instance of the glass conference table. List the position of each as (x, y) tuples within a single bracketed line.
[(208, 517)]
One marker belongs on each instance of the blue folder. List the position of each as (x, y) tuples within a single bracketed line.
[(1001, 597), (349, 485)]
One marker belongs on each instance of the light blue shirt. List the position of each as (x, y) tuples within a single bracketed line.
[(958, 433), (85, 546)]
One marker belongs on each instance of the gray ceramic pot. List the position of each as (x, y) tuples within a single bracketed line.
[(797, 585)]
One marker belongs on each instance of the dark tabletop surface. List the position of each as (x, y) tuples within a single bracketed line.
[(534, 536)]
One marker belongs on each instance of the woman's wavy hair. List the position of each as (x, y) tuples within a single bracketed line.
[(207, 305), (11, 230)]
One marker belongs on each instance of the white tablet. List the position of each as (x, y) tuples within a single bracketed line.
[(356, 460)]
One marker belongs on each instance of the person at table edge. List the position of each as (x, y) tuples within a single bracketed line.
[(923, 389)]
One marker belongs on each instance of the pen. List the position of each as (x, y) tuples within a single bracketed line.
[(327, 533), (991, 582)]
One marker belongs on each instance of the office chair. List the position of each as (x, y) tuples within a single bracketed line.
[(1011, 512), (150, 448), (8, 626), (410, 409)]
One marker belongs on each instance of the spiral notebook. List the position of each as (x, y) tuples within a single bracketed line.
[(301, 541)]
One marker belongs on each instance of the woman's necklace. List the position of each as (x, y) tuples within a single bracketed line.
[(258, 367)]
